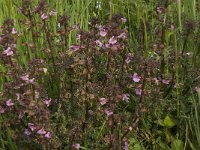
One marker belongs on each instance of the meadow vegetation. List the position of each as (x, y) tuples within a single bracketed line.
[(99, 74)]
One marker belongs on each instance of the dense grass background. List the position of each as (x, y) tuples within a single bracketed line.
[(177, 28)]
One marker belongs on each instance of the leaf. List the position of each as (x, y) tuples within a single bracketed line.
[(168, 122), (177, 145)]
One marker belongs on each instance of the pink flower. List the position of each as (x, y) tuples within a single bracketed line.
[(124, 20), (122, 35), (2, 110), (8, 52), (103, 32), (48, 135), (78, 37), (138, 92), (112, 40), (103, 101), (125, 145), (75, 47), (53, 13), (136, 77), (47, 102), (164, 81), (108, 112), (32, 127), (18, 96), (26, 78), (14, 31), (9, 103), (76, 146), (41, 131), (44, 16), (27, 132), (99, 43), (125, 97)]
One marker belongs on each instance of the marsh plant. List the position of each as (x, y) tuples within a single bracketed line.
[(100, 92)]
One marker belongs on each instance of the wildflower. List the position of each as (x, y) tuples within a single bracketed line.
[(75, 48), (125, 97), (76, 146), (2, 110), (108, 112), (14, 31), (125, 145), (47, 102), (164, 81), (112, 40), (160, 10), (103, 101), (8, 52), (26, 78), (128, 58), (103, 32), (44, 16), (27, 132), (48, 135), (41, 131), (136, 77), (138, 91), (53, 13), (21, 115), (99, 43), (122, 35), (31, 126), (9, 103), (78, 37), (124, 20)]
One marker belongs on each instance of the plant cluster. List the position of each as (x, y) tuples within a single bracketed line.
[(95, 93)]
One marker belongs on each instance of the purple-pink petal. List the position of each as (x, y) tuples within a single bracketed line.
[(2, 110), (75, 47), (125, 97), (136, 77), (138, 92), (48, 135), (124, 20), (27, 132), (108, 112), (8, 52), (112, 40), (99, 43), (76, 146), (44, 16), (164, 81), (103, 101), (9, 103), (103, 32), (53, 13), (14, 31), (125, 145), (32, 126), (47, 102), (41, 131)]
